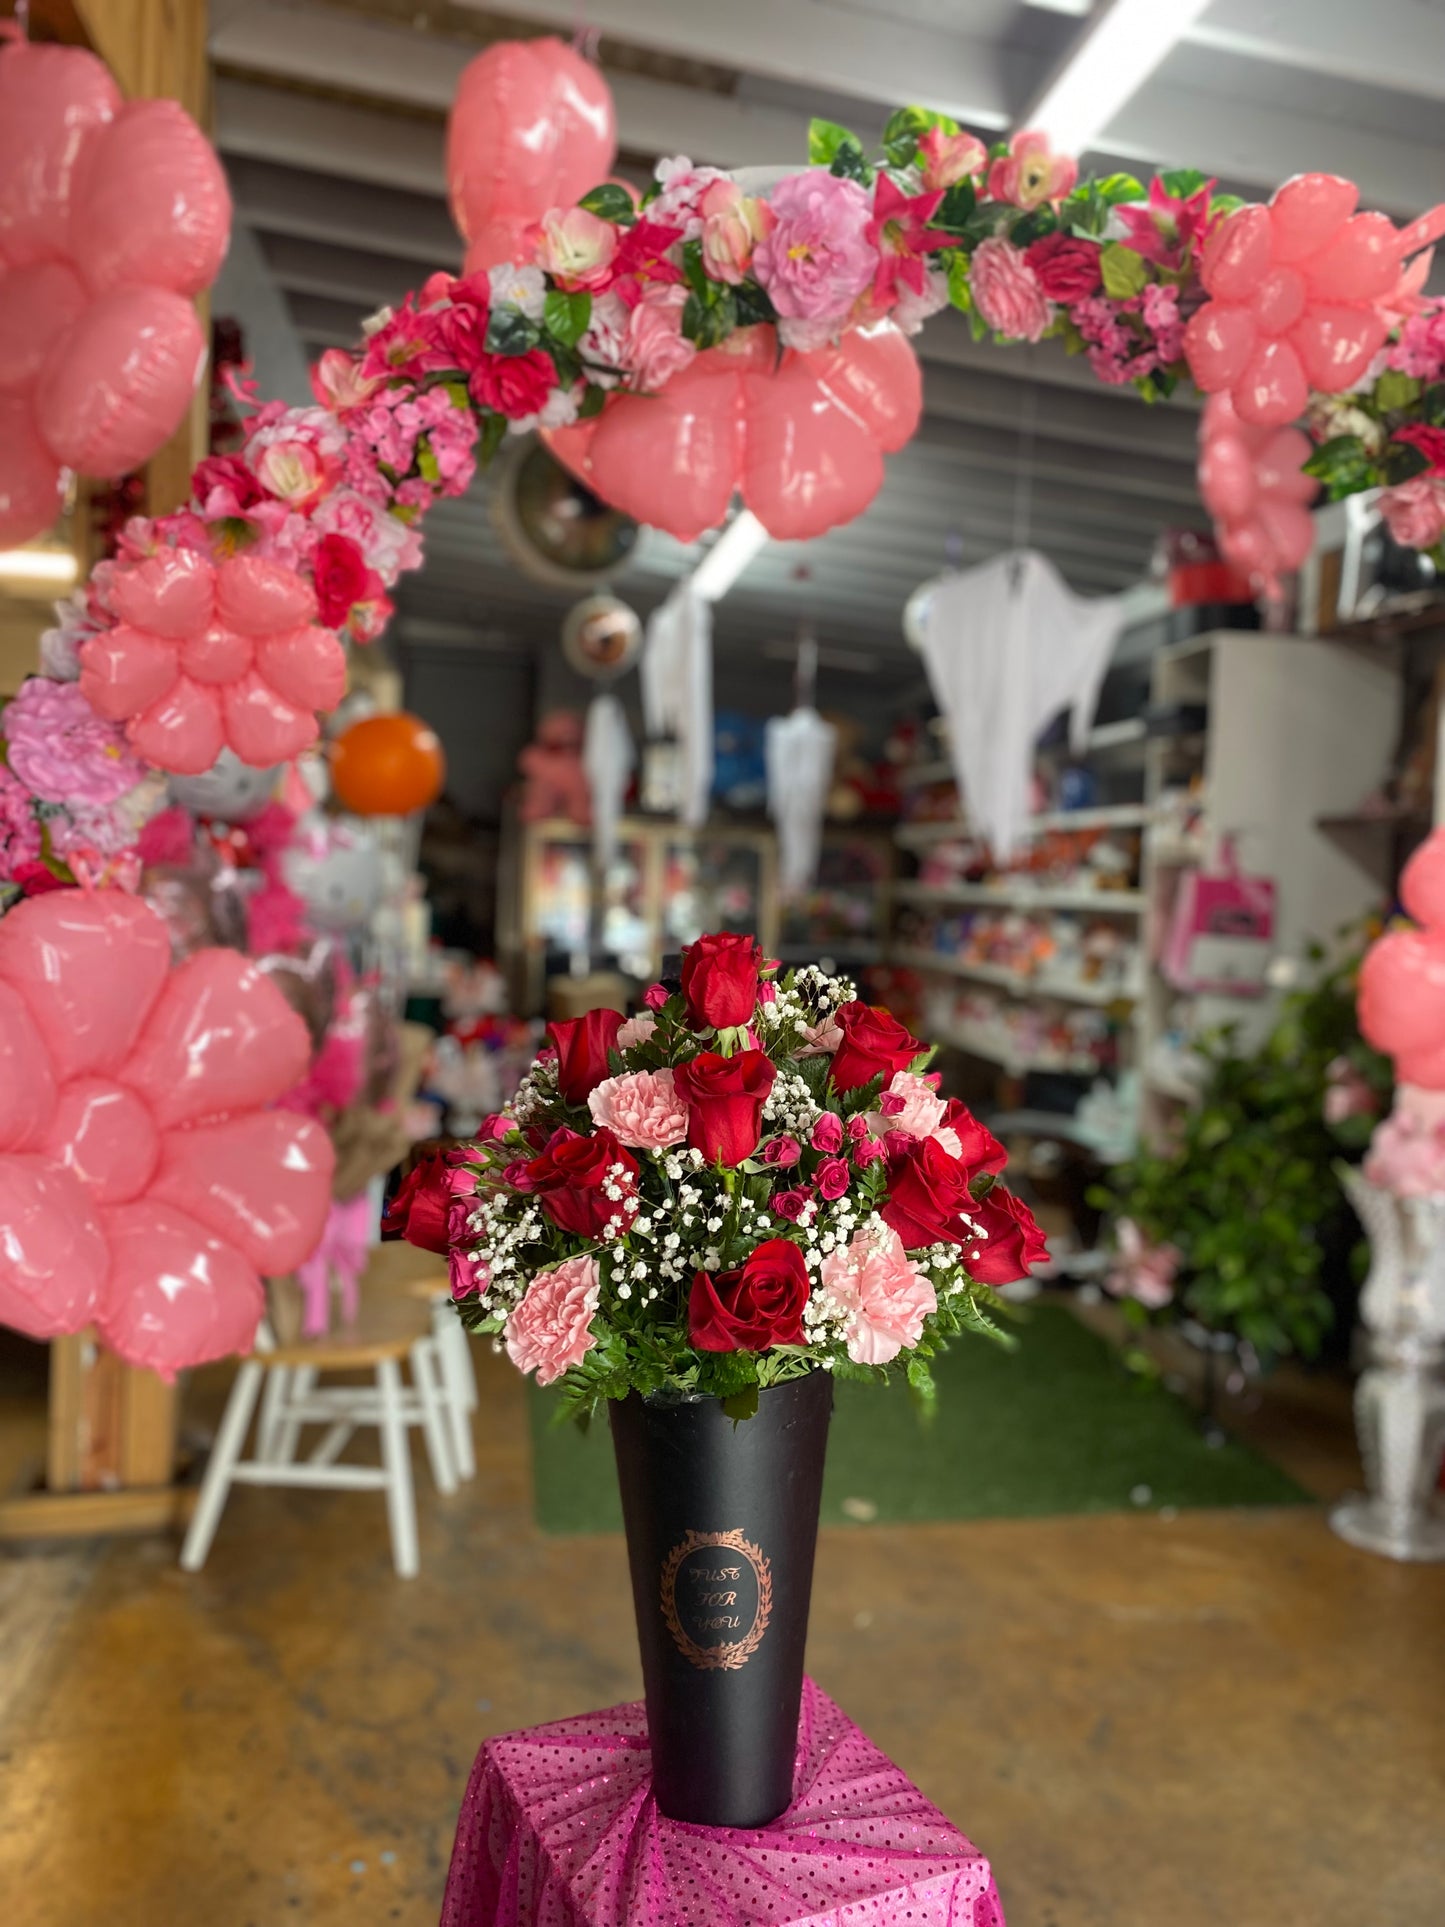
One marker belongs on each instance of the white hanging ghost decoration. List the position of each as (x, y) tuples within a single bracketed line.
[(608, 759), (677, 693), (798, 751)]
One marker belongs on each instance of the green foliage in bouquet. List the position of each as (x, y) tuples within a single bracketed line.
[(1248, 1196)]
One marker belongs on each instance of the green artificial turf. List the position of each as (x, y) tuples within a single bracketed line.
[(1057, 1425)]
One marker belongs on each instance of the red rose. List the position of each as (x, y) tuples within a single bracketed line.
[(832, 1176), (873, 1042), (720, 981), (582, 1044), (979, 1149), (420, 1209), (514, 385), (1065, 266), (790, 1204), (1014, 1243), (1430, 442), (567, 1177), (759, 1305), (927, 1192), (725, 1098), (341, 577), (461, 329), (230, 473)]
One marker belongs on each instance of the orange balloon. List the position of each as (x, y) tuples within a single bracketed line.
[(387, 766)]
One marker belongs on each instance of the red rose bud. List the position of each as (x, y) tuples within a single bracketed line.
[(867, 1151), (874, 1044), (828, 1132), (832, 1177), (759, 1305), (927, 1196), (420, 1209), (1014, 1243), (568, 1176), (720, 981), (340, 577), (892, 1104), (582, 1045), (782, 1152), (655, 996), (979, 1149), (858, 1128), (725, 1098), (514, 385)]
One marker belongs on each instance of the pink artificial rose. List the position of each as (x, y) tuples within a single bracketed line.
[(783, 1152), (833, 1178), (1415, 511), (387, 543), (1006, 291), (828, 1133), (61, 750), (867, 1150), (550, 1331), (19, 828), (642, 1109), (1031, 173), (732, 225), (656, 347), (576, 248), (946, 159), (1066, 266), (909, 1104), (294, 472), (636, 1031), (680, 203), (887, 1297), (817, 258)]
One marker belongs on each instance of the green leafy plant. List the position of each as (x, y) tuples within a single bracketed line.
[(1248, 1196)]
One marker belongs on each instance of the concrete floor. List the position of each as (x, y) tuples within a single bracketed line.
[(1222, 1717)]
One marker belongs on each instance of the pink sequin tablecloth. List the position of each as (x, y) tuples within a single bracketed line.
[(559, 1829)]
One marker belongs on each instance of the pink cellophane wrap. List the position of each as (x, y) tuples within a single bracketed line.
[(559, 1829)]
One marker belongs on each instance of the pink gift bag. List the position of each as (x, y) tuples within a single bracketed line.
[(1221, 934)]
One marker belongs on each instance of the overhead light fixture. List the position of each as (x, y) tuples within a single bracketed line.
[(57, 566), (740, 543), (1119, 48)]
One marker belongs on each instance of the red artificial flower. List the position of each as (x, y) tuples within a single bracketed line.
[(758, 1305), (582, 1044), (514, 385), (874, 1043), (725, 1098), (1164, 229), (720, 981), (567, 1177), (789, 1204), (37, 879), (1066, 266), (899, 230), (340, 577), (642, 256), (979, 1149), (928, 1195), (419, 1212), (1014, 1242), (408, 344), (833, 1177), (461, 328), (828, 1132), (1430, 442), (230, 474)]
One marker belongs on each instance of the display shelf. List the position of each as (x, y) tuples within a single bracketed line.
[(938, 770), (979, 1042), (1114, 903), (1111, 816), (1013, 981)]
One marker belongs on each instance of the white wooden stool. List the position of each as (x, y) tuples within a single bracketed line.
[(406, 1272), (387, 1332)]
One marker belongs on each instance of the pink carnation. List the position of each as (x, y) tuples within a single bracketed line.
[(1414, 512), (61, 750), (636, 1031), (656, 346), (388, 545), (550, 1331), (886, 1296), (817, 259), (19, 830), (1006, 291), (642, 1109), (911, 1105)]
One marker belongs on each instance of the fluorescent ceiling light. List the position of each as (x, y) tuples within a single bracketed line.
[(1117, 51), (38, 565), (740, 543)]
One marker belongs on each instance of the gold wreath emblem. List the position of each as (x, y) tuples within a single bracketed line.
[(731, 1653)]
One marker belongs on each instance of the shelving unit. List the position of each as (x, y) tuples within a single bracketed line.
[(1103, 996), (1105, 903)]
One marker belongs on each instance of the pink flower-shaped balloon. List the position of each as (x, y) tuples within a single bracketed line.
[(802, 443), (1402, 980), (209, 656), (1300, 295), (113, 215), (1253, 484), (143, 1187)]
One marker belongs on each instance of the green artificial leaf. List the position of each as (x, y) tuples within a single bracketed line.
[(1115, 189), (494, 429), (1123, 270), (509, 332), (709, 322), (959, 292), (906, 129), (1395, 390), (753, 305), (1402, 462), (1180, 182), (743, 1405), (826, 140), (593, 403), (957, 207), (426, 462), (1432, 405), (1033, 226), (694, 272), (1343, 465), (610, 203), (1222, 204), (565, 316)]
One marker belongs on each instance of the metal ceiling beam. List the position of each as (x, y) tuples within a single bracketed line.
[(320, 209), (979, 398), (1395, 44), (327, 137)]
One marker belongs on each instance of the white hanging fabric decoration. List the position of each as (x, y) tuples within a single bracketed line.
[(798, 753), (1007, 646), (608, 759), (676, 673)]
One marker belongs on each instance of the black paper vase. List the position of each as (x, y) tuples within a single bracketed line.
[(722, 1523)]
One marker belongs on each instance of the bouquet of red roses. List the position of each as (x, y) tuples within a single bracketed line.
[(753, 1179)]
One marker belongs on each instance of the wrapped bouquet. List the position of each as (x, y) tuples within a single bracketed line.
[(753, 1179)]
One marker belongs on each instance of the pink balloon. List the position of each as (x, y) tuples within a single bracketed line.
[(260, 1182), (88, 968), (261, 598), (1402, 1004), (27, 1083), (217, 655), (808, 464), (1307, 211), (1252, 482), (532, 128), (32, 486), (36, 304), (1288, 529), (120, 379), (182, 732), (1218, 343), (308, 667), (1227, 478), (171, 594), (261, 726), (1422, 883), (874, 376), (1336, 345), (221, 1038), (176, 1296), (123, 670), (150, 206), (53, 1257), (106, 1136), (53, 100), (673, 459)]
